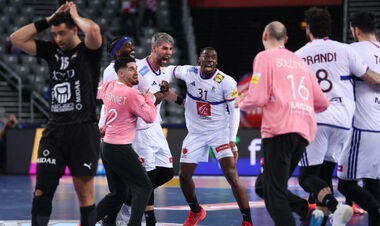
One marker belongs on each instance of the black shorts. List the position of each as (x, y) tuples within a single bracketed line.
[(76, 146)]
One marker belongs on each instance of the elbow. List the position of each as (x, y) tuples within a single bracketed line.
[(14, 39), (94, 30)]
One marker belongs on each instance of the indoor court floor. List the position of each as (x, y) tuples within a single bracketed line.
[(213, 193)]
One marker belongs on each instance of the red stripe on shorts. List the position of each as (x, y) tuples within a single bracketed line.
[(222, 147)]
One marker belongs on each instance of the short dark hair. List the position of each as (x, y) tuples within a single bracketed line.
[(62, 17), (208, 48), (319, 21), (364, 20), (122, 62)]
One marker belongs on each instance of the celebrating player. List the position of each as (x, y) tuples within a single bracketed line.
[(359, 159), (209, 102), (123, 104)]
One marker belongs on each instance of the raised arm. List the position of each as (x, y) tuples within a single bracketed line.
[(23, 37), (93, 37)]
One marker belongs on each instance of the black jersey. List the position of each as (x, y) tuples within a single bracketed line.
[(74, 77)]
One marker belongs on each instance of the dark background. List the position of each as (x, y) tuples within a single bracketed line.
[(236, 32)]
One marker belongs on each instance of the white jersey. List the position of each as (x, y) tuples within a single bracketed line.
[(205, 106), (149, 79), (109, 73), (367, 111), (333, 63)]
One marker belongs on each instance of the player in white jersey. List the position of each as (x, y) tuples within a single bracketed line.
[(360, 158), (149, 143), (212, 121), (333, 63)]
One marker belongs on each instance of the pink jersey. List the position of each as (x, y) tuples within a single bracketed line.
[(122, 107), (284, 86)]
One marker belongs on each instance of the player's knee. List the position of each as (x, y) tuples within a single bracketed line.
[(46, 185), (231, 176), (163, 175), (185, 176), (43, 195)]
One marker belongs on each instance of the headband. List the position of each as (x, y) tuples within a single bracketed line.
[(117, 46)]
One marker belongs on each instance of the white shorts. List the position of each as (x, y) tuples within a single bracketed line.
[(327, 146), (361, 156), (195, 147), (152, 147)]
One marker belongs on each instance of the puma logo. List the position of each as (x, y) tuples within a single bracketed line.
[(87, 165)]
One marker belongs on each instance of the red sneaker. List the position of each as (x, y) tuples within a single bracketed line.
[(357, 210), (246, 223), (194, 218)]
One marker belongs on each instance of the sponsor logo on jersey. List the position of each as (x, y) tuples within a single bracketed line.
[(78, 104), (184, 151), (340, 168), (193, 69), (193, 83), (255, 77), (61, 92), (154, 83), (222, 147), (204, 109), (218, 78), (144, 70), (234, 93), (171, 159), (142, 160)]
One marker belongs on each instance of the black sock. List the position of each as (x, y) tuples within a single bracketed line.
[(150, 218), (330, 201), (88, 216), (194, 205), (246, 213)]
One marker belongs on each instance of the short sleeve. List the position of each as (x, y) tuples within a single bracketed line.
[(356, 63), (168, 72), (180, 72), (44, 49), (230, 89)]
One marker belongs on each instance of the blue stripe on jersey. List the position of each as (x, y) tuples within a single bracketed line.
[(334, 126), (199, 99), (151, 68), (345, 77), (175, 68)]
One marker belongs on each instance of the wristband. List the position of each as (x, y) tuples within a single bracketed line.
[(179, 100), (41, 25)]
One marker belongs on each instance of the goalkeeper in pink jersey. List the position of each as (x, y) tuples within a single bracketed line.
[(123, 104), (284, 86)]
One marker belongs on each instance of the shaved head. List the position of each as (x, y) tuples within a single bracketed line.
[(276, 30)]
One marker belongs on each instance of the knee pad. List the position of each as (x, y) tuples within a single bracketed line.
[(163, 175), (41, 205)]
